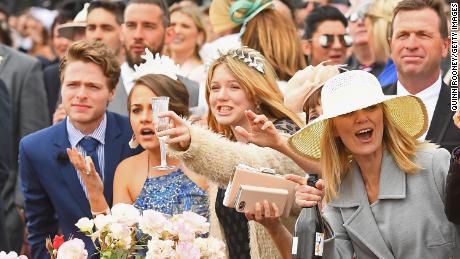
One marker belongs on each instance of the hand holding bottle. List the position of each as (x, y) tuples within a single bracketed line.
[(307, 196)]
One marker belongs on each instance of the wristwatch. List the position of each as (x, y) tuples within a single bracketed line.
[(456, 155)]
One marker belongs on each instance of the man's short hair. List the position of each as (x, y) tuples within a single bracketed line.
[(95, 52), (436, 5), (319, 15), (160, 3), (116, 8)]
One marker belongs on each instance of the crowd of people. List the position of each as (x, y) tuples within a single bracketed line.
[(357, 92)]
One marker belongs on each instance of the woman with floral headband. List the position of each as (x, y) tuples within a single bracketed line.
[(239, 80), (136, 182), (384, 189)]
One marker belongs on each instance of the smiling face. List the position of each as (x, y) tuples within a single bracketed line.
[(227, 98), (140, 116), (186, 33), (417, 47), (361, 131), (85, 94)]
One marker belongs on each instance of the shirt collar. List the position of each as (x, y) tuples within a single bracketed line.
[(432, 90), (76, 135)]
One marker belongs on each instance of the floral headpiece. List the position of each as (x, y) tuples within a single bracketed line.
[(249, 56), (160, 65)]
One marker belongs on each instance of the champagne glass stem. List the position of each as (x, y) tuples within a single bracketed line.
[(163, 152)]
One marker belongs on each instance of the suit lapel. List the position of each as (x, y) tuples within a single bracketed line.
[(66, 169), (361, 224), (441, 117), (390, 89), (113, 153)]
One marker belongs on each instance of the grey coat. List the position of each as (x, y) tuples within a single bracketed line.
[(23, 78), (407, 221)]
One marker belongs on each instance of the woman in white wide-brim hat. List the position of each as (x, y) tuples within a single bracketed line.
[(384, 189)]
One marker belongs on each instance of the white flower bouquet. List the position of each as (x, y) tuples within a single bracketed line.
[(125, 233)]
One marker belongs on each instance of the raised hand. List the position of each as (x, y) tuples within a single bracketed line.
[(262, 133), (178, 133), (59, 114), (85, 167), (306, 196)]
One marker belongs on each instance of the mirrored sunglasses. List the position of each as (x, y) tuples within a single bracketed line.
[(326, 40)]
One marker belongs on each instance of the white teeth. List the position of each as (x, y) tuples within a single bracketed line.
[(364, 131), (225, 108)]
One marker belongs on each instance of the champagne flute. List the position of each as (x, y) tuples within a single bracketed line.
[(160, 104)]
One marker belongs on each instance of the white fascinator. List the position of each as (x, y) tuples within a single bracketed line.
[(158, 65)]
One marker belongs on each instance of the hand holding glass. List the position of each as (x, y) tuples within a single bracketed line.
[(160, 104)]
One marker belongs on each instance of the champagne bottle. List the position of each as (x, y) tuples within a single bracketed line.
[(309, 230)]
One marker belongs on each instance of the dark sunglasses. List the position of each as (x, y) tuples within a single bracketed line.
[(326, 40)]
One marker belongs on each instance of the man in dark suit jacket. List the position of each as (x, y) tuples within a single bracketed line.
[(419, 42), (23, 78), (52, 85), (5, 157), (55, 197)]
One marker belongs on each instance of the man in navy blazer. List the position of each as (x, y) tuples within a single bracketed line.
[(55, 197)]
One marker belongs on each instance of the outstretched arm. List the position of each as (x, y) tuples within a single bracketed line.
[(263, 133), (214, 156)]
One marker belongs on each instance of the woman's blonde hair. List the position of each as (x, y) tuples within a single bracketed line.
[(261, 88), (192, 11), (276, 37), (380, 13), (335, 158)]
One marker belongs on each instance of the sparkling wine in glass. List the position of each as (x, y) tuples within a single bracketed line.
[(160, 104)]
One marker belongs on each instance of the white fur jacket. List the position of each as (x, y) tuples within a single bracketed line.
[(214, 156)]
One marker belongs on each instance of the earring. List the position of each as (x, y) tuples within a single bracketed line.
[(133, 143), (258, 109)]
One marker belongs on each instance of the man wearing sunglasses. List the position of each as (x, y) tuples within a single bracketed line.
[(325, 37)]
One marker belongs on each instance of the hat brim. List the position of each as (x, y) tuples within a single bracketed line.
[(407, 112), (69, 30)]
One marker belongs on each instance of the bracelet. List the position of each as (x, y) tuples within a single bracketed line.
[(105, 212)]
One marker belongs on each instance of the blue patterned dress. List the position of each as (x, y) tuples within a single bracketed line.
[(172, 194)]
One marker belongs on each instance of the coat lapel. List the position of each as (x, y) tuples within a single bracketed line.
[(361, 224), (113, 154), (66, 169), (441, 116)]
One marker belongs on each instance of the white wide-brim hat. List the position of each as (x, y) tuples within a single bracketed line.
[(352, 91)]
